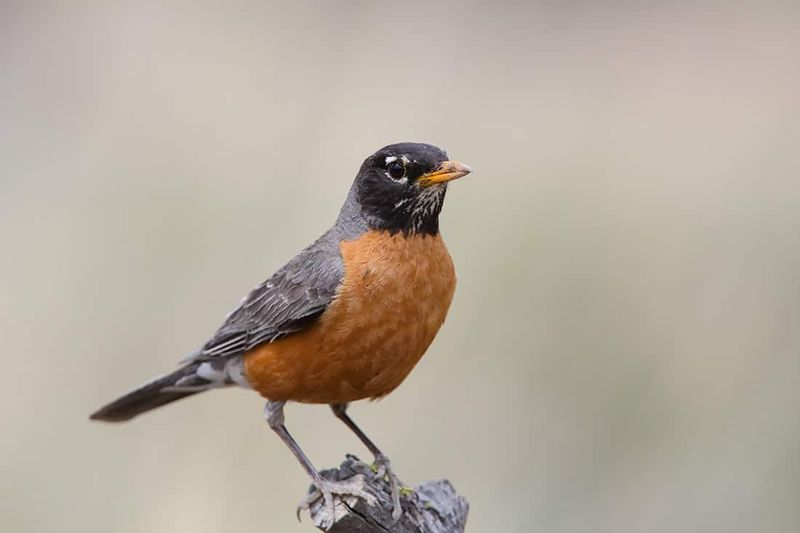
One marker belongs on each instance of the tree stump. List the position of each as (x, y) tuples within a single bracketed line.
[(433, 507)]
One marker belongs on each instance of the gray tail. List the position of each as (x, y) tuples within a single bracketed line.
[(160, 391)]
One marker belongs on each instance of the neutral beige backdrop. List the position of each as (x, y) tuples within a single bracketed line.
[(622, 351)]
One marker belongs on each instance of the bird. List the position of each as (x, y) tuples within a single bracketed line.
[(346, 319)]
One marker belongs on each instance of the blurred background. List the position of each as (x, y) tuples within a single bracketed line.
[(622, 350)]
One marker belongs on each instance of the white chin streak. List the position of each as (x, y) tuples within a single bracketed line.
[(427, 204)]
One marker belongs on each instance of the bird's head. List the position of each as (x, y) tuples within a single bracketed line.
[(401, 187)]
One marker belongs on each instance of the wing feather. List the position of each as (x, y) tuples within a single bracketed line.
[(289, 301)]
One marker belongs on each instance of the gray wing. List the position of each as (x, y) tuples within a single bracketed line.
[(290, 301)]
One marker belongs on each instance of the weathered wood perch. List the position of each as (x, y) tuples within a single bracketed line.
[(433, 507)]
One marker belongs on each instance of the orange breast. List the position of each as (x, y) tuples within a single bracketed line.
[(393, 299)]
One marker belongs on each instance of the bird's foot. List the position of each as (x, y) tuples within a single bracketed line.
[(383, 467), (333, 494)]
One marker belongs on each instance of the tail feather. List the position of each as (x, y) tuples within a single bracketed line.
[(160, 391)]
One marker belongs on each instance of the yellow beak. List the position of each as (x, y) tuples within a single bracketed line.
[(447, 171)]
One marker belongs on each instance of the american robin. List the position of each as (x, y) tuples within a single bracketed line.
[(346, 319)]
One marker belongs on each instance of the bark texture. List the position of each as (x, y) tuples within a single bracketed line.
[(433, 507)]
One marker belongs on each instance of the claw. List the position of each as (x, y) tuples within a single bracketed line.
[(330, 492), (383, 467), (379, 467)]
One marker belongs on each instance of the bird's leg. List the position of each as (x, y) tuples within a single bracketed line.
[(273, 412), (382, 462)]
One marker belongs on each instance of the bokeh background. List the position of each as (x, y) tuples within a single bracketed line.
[(622, 351)]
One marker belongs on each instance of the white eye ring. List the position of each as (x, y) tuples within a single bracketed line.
[(391, 163)]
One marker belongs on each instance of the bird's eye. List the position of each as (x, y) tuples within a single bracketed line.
[(396, 171)]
